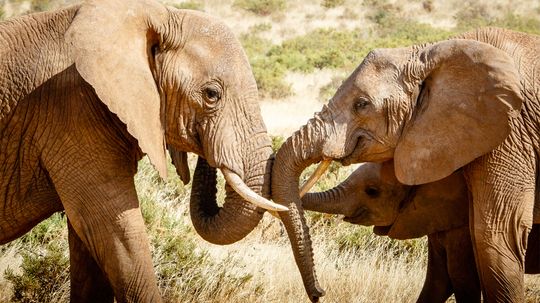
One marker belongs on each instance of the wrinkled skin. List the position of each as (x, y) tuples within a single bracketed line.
[(373, 196), (87, 91), (469, 103)]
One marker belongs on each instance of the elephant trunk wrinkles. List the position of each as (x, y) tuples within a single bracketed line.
[(330, 201), (237, 217), (294, 156)]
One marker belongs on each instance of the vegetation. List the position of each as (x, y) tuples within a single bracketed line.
[(353, 264), (262, 7), (332, 3), (190, 4)]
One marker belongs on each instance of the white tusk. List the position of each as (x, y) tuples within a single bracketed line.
[(248, 194), (314, 177)]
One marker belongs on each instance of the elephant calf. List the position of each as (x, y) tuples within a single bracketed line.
[(373, 196)]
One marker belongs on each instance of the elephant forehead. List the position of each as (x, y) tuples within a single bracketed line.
[(376, 81)]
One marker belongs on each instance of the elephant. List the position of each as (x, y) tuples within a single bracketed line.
[(469, 103), (86, 92), (372, 195)]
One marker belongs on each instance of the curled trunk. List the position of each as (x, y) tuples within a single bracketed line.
[(298, 152), (236, 218)]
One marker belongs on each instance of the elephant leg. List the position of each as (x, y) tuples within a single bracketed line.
[(101, 204), (437, 286), (502, 190), (88, 283), (461, 265)]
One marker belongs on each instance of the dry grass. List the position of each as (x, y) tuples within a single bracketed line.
[(352, 263)]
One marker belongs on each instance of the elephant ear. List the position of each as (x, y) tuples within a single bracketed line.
[(111, 42), (469, 92), (437, 206)]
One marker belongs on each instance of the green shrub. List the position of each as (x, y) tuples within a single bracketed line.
[(327, 91), (44, 276), (268, 74), (277, 141), (261, 7), (190, 4), (332, 3)]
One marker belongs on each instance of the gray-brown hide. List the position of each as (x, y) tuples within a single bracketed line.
[(470, 102), (371, 195), (85, 92)]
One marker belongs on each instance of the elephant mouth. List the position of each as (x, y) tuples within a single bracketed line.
[(382, 230), (360, 217)]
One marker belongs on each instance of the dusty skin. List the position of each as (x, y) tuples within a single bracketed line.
[(371, 195), (470, 102), (88, 92)]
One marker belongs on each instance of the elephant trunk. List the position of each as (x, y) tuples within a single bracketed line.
[(236, 218), (331, 201), (298, 152)]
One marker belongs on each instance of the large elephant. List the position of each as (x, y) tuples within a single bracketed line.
[(372, 195), (85, 92), (471, 102)]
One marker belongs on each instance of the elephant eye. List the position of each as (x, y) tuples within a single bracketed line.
[(360, 104), (212, 94), (371, 191)]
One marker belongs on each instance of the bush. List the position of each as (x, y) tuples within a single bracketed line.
[(193, 5), (328, 91), (44, 275), (261, 7), (332, 3)]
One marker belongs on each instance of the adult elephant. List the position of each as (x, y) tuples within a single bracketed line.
[(470, 103), (372, 196), (87, 91)]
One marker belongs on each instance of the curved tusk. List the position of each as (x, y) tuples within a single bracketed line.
[(248, 194), (314, 177)]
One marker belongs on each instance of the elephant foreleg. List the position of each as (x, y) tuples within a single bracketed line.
[(88, 283), (102, 206), (502, 192)]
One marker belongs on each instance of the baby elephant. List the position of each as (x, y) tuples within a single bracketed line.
[(373, 196)]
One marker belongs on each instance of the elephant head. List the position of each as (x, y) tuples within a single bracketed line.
[(432, 108), (372, 196), (181, 79)]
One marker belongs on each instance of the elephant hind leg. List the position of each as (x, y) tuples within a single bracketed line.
[(88, 283), (437, 286)]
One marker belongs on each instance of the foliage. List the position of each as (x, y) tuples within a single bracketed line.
[(40, 5), (261, 7), (327, 91), (44, 274), (332, 3), (277, 141), (190, 4)]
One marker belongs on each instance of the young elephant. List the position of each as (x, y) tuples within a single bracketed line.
[(373, 196)]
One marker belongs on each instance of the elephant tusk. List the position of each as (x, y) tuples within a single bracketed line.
[(248, 194), (314, 177)]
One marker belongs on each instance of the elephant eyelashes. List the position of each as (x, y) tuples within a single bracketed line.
[(372, 191), (360, 104), (212, 94)]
